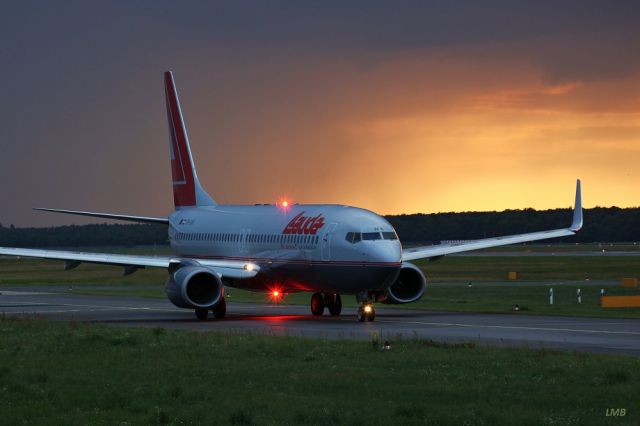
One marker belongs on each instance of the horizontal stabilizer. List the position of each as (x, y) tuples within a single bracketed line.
[(129, 218)]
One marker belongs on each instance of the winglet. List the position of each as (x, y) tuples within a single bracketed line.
[(576, 225)]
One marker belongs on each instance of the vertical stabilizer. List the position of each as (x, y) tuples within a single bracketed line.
[(186, 187)]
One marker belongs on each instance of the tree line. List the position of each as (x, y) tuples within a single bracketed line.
[(601, 224), (84, 235)]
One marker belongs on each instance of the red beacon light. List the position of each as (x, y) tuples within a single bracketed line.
[(284, 204), (276, 295)]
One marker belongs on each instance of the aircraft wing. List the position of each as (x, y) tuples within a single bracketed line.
[(444, 249), (131, 263)]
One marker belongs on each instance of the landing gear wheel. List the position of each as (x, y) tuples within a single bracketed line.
[(372, 315), (366, 313), (220, 310), (333, 302), (317, 304), (202, 313), (361, 315)]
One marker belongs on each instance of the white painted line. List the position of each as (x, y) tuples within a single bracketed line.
[(511, 327)]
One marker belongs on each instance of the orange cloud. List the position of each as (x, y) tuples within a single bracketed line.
[(427, 131)]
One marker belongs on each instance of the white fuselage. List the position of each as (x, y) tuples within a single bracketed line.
[(299, 248)]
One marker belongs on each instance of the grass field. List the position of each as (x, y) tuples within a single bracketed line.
[(448, 289), (75, 373)]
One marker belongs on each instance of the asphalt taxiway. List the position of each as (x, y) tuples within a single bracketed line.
[(618, 336)]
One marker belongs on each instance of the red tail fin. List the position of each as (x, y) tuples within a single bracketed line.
[(186, 187)]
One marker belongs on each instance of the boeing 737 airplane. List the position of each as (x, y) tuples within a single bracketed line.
[(328, 250)]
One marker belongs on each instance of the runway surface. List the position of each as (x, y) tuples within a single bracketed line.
[(619, 336)]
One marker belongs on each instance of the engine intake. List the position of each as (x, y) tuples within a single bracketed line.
[(194, 287), (408, 287)]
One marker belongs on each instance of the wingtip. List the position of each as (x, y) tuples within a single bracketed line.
[(577, 222)]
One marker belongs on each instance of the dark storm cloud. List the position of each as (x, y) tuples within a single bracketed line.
[(81, 117), (569, 39)]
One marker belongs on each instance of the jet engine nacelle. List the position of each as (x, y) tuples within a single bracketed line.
[(193, 287), (408, 287)]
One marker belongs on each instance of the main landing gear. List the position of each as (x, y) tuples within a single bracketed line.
[(202, 313), (332, 301), (219, 311)]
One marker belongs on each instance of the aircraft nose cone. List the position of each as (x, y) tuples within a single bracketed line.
[(387, 252)]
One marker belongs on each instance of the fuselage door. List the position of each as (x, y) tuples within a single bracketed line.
[(326, 241)]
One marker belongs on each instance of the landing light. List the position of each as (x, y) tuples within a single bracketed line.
[(368, 309), (249, 267)]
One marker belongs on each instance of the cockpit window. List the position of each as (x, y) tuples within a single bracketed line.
[(370, 236), (353, 237)]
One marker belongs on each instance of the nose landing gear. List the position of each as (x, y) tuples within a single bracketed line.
[(366, 312)]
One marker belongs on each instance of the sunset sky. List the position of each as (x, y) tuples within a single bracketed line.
[(397, 107)]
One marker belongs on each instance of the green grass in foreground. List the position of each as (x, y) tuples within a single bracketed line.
[(76, 373)]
